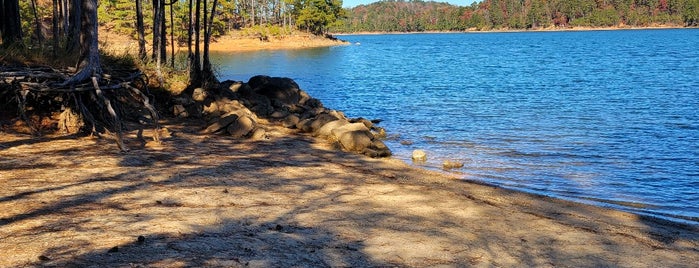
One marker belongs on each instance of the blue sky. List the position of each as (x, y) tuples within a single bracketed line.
[(353, 3)]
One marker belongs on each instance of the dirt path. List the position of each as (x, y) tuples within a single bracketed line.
[(291, 201)]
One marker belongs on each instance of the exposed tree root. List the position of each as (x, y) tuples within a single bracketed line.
[(97, 106)]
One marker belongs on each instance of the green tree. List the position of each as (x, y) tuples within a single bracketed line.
[(691, 13), (537, 16), (316, 15)]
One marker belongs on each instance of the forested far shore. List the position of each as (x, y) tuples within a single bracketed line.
[(419, 16)]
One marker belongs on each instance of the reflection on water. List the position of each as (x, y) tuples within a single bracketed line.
[(609, 118)]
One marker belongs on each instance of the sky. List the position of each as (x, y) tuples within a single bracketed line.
[(354, 3)]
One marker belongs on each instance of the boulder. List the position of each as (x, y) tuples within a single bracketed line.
[(378, 149), (448, 164), (311, 125), (291, 121), (419, 156), (258, 134), (241, 127), (406, 142), (354, 137), (199, 94), (379, 132), (260, 105), (326, 130), (364, 121), (281, 89), (221, 123)]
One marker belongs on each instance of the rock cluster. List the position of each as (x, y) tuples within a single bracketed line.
[(237, 108)]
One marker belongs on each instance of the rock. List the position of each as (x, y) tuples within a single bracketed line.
[(212, 109), (364, 121), (221, 123), (313, 103), (379, 132), (406, 142), (279, 114), (199, 94), (258, 134), (258, 80), (338, 114), (226, 106), (241, 127), (419, 156), (353, 137), (311, 125), (234, 86), (284, 90), (261, 105), (179, 111), (313, 112), (447, 164), (378, 149), (326, 130), (290, 121), (304, 97)]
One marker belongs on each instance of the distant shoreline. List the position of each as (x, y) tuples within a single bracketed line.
[(234, 42), (551, 29)]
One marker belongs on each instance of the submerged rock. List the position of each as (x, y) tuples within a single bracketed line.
[(448, 164), (419, 156)]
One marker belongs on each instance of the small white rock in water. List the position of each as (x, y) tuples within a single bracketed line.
[(419, 156), (452, 164)]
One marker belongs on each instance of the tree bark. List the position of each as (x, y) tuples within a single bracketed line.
[(74, 27), (208, 72), (195, 77), (89, 46), (10, 25), (139, 29), (39, 34), (55, 26)]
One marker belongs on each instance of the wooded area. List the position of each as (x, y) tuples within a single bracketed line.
[(416, 15), (96, 99), (41, 77)]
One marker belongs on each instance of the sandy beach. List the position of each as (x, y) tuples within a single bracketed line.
[(234, 42), (291, 201)]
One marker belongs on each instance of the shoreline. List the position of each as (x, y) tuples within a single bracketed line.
[(688, 221), (232, 43), (551, 29), (293, 199)]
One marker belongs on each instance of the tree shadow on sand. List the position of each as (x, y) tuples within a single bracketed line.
[(201, 200)]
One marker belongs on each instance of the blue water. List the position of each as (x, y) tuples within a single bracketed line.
[(603, 117)]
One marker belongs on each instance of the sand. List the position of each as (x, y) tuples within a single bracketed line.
[(291, 201), (235, 42)]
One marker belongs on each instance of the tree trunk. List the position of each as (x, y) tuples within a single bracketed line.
[(156, 28), (10, 25), (139, 29), (55, 27), (195, 77), (208, 72), (89, 46), (172, 34), (74, 18), (39, 34)]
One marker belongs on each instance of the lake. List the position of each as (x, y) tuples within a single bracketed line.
[(609, 118)]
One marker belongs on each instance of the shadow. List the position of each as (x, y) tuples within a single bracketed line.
[(203, 200)]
